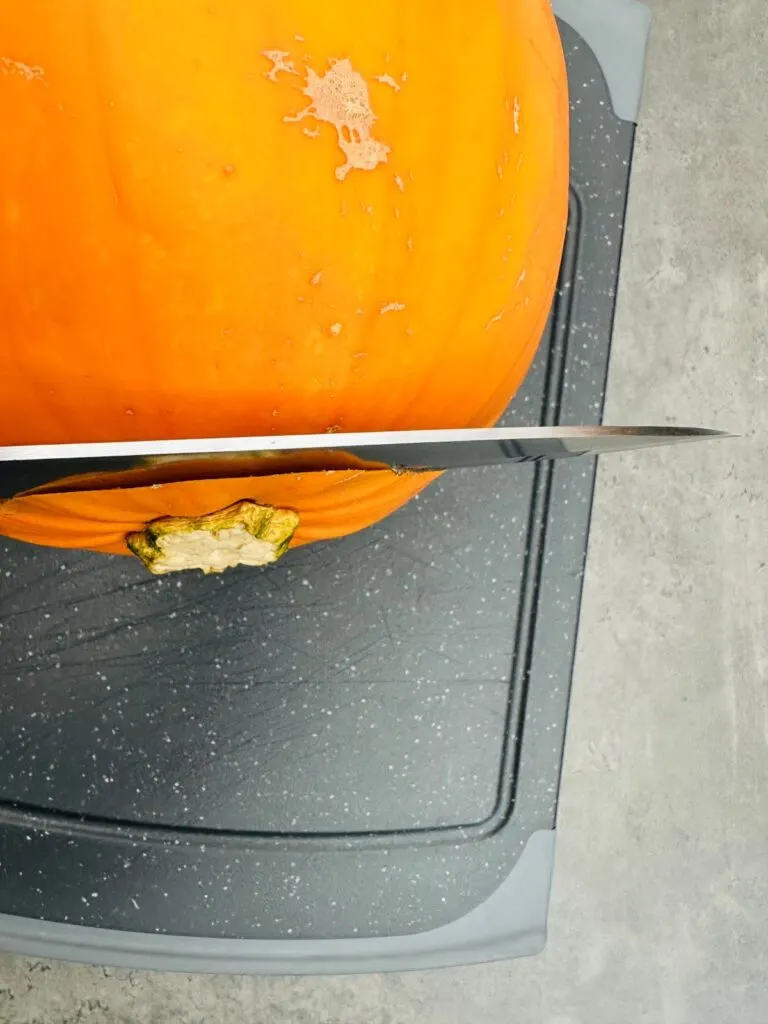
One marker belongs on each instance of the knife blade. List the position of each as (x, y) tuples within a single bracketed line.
[(24, 467)]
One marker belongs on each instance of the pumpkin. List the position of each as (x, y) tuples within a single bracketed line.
[(249, 217)]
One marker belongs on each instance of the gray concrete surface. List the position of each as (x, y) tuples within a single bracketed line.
[(660, 909)]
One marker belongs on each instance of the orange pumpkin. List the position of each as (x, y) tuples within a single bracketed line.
[(249, 217)]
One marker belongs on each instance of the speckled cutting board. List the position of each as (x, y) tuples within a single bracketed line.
[(296, 768)]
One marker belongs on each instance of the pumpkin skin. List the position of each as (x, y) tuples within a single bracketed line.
[(331, 503), (246, 217)]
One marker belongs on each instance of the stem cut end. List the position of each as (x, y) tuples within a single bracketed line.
[(245, 533)]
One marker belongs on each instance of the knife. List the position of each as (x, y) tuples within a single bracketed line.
[(26, 466)]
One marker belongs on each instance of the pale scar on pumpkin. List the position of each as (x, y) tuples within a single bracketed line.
[(515, 105), (340, 98), (388, 80), (17, 67), (279, 63)]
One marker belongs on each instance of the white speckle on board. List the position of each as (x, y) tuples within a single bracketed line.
[(516, 116), (316, 278), (335, 329), (311, 133), (494, 320), (409, 244), (392, 307), (400, 183)]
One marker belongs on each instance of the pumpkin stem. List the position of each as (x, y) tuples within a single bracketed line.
[(245, 533)]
